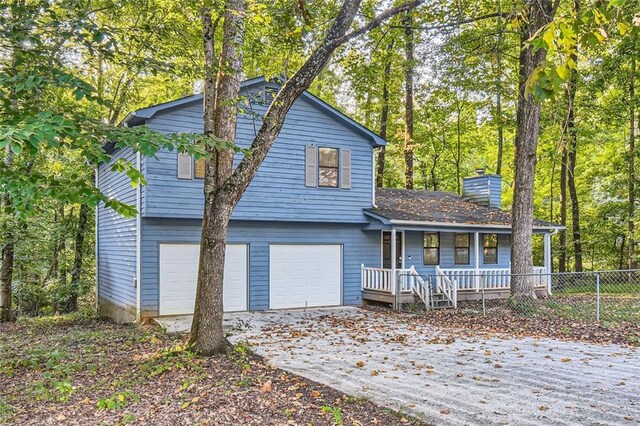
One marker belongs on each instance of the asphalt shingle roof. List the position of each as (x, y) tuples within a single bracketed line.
[(439, 207)]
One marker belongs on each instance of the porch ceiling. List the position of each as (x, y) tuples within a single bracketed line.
[(415, 208)]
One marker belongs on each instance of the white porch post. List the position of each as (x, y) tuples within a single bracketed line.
[(394, 279), (476, 263), (547, 260)]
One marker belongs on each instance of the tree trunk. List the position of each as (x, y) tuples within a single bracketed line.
[(631, 240), (408, 133), (222, 195), (571, 161), (384, 116), (562, 252), (537, 14), (458, 159), (6, 268), (499, 91), (207, 336), (76, 272)]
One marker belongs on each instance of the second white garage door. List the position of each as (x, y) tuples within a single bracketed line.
[(302, 275)]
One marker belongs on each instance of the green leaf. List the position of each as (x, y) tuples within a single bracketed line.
[(16, 148), (563, 71)]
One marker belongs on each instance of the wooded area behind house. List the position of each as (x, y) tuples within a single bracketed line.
[(440, 85)]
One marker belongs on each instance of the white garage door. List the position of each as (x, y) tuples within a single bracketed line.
[(179, 274), (304, 275)]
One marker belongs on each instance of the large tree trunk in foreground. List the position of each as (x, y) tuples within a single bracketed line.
[(537, 14), (76, 272), (207, 336), (221, 195), (384, 116), (408, 100)]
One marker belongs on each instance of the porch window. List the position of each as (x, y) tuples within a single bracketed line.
[(461, 253), (328, 167), (431, 245), (490, 249)]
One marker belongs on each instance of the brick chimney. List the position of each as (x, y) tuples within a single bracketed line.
[(483, 189)]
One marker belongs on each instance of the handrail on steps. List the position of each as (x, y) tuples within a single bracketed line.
[(447, 287), (419, 287)]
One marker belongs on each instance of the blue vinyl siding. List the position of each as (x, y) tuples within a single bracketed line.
[(278, 192), (358, 247), (117, 238), (413, 249)]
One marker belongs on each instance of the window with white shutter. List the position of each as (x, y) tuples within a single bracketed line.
[(185, 163), (345, 168), (311, 164)]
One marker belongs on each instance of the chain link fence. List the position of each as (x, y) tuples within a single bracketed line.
[(608, 297)]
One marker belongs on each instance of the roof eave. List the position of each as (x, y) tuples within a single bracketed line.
[(403, 222)]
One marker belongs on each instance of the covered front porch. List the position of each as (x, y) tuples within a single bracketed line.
[(440, 247), (442, 266)]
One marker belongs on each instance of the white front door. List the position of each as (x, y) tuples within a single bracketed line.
[(179, 274), (304, 275)]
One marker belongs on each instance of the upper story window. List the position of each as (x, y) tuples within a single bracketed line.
[(461, 253), (431, 246), (328, 162), (490, 244)]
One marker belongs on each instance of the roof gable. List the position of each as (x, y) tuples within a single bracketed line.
[(140, 116)]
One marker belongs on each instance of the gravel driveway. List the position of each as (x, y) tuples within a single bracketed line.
[(446, 376)]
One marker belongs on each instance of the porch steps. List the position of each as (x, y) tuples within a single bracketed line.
[(440, 301)]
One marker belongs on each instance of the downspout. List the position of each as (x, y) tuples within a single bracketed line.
[(97, 240), (373, 179), (138, 241)]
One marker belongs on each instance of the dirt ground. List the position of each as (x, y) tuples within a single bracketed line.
[(86, 372)]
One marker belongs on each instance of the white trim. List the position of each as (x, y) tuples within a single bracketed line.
[(465, 225), (476, 260), (138, 241), (402, 247)]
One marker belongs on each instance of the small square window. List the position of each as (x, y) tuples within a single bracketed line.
[(328, 167)]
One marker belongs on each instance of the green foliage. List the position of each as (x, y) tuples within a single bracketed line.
[(118, 400), (336, 414)]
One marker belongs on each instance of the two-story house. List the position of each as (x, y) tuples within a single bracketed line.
[(311, 229)]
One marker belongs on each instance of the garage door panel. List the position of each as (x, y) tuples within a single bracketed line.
[(304, 275), (179, 275)]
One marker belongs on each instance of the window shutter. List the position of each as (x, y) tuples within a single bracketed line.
[(184, 166), (199, 168), (345, 168), (311, 165)]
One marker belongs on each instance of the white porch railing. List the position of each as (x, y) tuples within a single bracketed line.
[(379, 279), (489, 278)]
